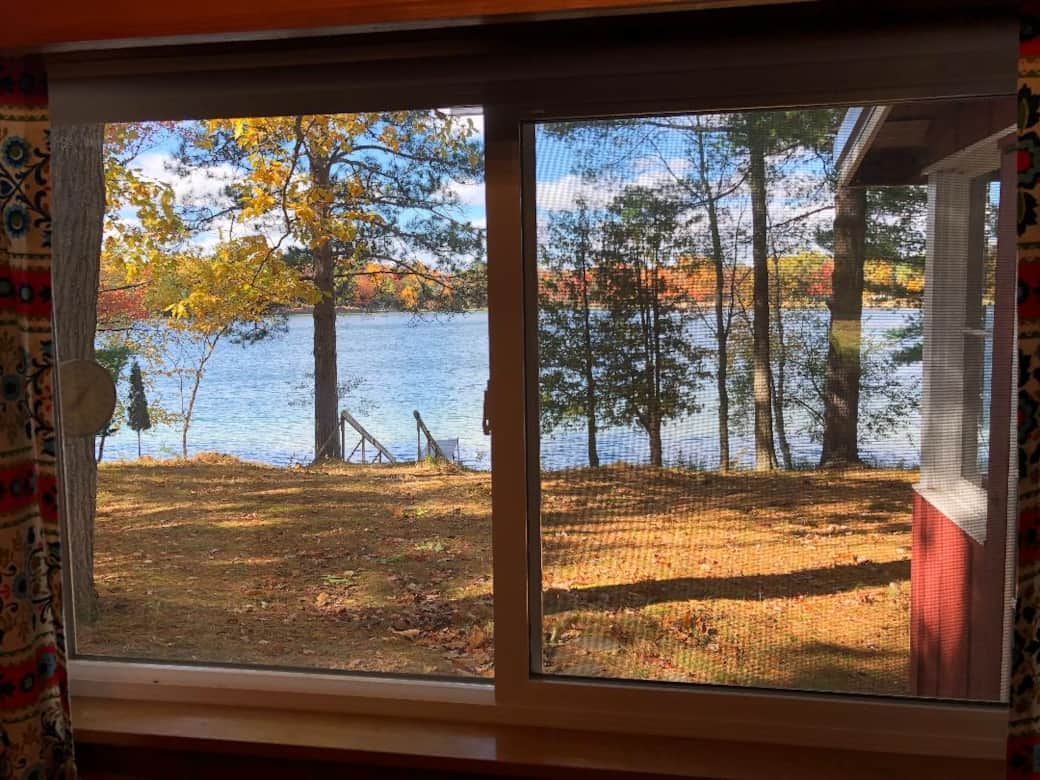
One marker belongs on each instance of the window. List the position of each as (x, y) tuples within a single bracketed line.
[(293, 310), (748, 372), (732, 369), (978, 334)]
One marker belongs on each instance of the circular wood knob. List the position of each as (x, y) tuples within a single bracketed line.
[(88, 397)]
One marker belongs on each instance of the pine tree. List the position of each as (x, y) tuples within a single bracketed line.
[(352, 189), (652, 369), (137, 406), (113, 357)]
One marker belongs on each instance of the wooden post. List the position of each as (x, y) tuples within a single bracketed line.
[(431, 442)]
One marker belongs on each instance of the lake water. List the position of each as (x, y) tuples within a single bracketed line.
[(254, 401)]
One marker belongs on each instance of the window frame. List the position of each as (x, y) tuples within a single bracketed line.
[(965, 176), (974, 336), (516, 696)]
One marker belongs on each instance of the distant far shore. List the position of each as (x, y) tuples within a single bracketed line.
[(369, 310)]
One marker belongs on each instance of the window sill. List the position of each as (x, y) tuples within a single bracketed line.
[(962, 503), (498, 749)]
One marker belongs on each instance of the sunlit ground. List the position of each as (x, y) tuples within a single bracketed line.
[(795, 579)]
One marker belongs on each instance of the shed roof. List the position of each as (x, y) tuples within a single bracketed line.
[(892, 145)]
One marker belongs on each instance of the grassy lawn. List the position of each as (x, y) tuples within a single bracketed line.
[(791, 579)]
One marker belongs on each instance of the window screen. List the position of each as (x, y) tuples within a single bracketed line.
[(294, 312), (773, 356)]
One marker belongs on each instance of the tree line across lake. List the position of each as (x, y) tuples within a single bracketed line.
[(733, 224)]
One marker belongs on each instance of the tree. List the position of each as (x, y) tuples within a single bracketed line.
[(886, 396), (712, 182), (842, 382), (350, 189), (764, 137), (886, 224), (571, 346), (141, 227), (112, 357), (729, 157), (755, 131), (652, 368), (79, 208), (234, 291), (137, 405)]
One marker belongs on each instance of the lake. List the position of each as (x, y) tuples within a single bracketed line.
[(255, 400)]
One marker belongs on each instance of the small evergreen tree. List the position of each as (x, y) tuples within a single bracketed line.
[(137, 406), (114, 358)]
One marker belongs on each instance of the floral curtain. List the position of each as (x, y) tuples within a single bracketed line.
[(1024, 737), (35, 734)]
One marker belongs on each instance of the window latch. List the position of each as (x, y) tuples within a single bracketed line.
[(485, 421)]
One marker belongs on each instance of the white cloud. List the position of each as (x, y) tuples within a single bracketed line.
[(195, 186), (563, 194), (468, 193)]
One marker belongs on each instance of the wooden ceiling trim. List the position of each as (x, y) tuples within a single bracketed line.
[(114, 23)]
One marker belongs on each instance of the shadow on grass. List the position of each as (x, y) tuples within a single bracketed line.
[(802, 582)]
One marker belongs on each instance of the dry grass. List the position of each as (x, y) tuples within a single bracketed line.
[(342, 567), (794, 580)]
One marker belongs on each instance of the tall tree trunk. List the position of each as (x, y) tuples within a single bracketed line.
[(101, 448), (326, 372), (591, 431), (721, 328), (589, 366), (778, 380), (188, 413), (138, 445), (326, 376), (765, 452), (656, 450), (841, 389), (79, 210), (721, 335)]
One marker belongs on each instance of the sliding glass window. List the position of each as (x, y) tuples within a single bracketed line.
[(774, 366)]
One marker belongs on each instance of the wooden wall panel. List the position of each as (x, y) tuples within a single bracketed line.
[(956, 597), (775, 762), (954, 584), (925, 577)]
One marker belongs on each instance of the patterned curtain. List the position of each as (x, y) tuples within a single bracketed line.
[(35, 734), (1024, 736)]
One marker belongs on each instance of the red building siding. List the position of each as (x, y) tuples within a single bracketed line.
[(958, 602), (956, 629)]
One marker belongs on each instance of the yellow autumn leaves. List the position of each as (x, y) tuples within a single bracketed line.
[(300, 182)]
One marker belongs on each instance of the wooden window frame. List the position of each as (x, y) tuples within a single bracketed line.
[(869, 67)]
